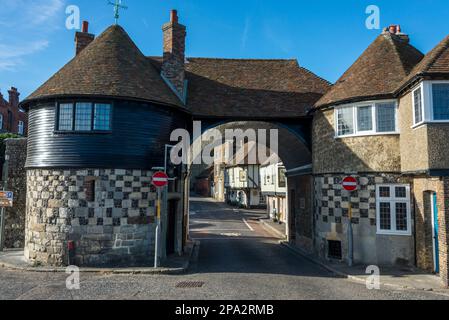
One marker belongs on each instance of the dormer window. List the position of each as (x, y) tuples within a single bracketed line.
[(84, 117), (363, 119)]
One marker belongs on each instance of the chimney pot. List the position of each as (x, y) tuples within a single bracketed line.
[(85, 28), (393, 29), (174, 16)]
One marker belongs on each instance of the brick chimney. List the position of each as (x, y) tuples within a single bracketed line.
[(396, 30), (83, 38), (13, 97), (174, 53)]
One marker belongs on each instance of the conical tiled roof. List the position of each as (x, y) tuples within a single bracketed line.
[(377, 73), (111, 66), (435, 63)]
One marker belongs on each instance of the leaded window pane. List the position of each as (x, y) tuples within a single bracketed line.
[(401, 216), (65, 117), (345, 121), (365, 118), (384, 192), (385, 216), (386, 117), (102, 118), (440, 101), (417, 97), (83, 117)]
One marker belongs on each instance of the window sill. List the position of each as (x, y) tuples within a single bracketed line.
[(430, 122), (58, 132), (368, 135), (392, 233)]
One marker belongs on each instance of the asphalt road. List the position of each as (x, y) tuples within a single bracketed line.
[(237, 259)]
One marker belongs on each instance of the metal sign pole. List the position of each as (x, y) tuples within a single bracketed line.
[(350, 236), (158, 230)]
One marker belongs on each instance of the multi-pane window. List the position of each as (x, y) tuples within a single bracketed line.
[(393, 209), (65, 117), (102, 117), (345, 121), (440, 94), (364, 119), (84, 117), (386, 117), (418, 105)]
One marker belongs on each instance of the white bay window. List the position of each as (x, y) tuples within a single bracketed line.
[(366, 119), (430, 102)]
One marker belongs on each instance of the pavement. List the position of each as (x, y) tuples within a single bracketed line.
[(237, 259), (276, 228), (400, 278), (15, 260)]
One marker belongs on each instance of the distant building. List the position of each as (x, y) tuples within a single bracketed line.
[(242, 182), (12, 118), (274, 189)]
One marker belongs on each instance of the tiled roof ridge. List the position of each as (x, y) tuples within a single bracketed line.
[(437, 55), (242, 59)]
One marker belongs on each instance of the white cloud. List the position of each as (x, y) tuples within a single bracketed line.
[(26, 28)]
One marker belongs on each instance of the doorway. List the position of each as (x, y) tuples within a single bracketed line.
[(436, 257), (171, 226)]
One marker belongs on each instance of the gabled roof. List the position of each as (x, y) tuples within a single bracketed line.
[(111, 66), (434, 64), (377, 72), (237, 87)]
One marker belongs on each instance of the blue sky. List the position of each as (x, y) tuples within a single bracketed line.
[(325, 36)]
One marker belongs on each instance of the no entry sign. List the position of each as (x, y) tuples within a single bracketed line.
[(349, 184), (160, 179)]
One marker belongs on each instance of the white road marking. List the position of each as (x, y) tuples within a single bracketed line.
[(247, 224)]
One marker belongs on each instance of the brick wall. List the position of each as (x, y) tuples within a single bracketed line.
[(11, 114)]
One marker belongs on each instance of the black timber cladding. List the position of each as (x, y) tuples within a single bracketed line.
[(137, 140)]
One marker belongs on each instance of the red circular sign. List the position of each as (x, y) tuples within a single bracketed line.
[(160, 179), (350, 184)]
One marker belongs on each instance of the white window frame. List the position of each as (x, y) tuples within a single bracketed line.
[(427, 103), (21, 128), (419, 87), (393, 200), (372, 132)]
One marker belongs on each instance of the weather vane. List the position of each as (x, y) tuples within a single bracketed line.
[(117, 6)]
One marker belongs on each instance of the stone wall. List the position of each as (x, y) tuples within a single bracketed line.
[(332, 214), (16, 150), (116, 226), (376, 153), (301, 211), (414, 141)]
